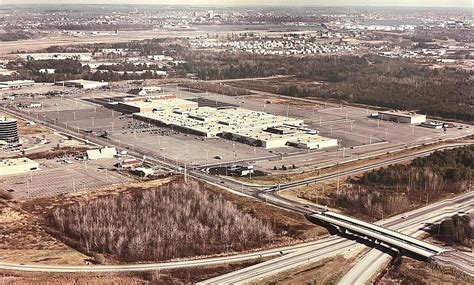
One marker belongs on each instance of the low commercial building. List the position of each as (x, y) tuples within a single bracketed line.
[(129, 163), (106, 152), (30, 105), (402, 117), (245, 126), (313, 142), (297, 138), (241, 170), (8, 130), (17, 166), (16, 84), (143, 171), (83, 84), (433, 125)]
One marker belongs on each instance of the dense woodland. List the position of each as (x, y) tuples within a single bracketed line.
[(456, 230), (401, 84), (176, 220), (399, 187)]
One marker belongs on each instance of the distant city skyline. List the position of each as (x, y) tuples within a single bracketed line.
[(407, 3)]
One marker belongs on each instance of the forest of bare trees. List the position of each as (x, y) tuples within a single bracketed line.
[(175, 220), (401, 187)]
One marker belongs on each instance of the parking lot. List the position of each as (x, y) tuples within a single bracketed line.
[(358, 135), (55, 178)]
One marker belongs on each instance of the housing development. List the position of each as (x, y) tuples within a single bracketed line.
[(236, 145)]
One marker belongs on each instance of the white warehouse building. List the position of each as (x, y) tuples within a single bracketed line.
[(246, 126), (402, 117)]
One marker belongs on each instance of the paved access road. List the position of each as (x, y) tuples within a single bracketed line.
[(264, 193)]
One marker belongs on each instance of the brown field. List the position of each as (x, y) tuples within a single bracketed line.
[(273, 85), (280, 221), (327, 271), (57, 152), (24, 129), (274, 99), (410, 271), (23, 239)]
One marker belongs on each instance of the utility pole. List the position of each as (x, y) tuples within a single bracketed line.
[(185, 174)]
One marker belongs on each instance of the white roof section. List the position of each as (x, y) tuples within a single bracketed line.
[(106, 152), (163, 104), (401, 114), (16, 83), (211, 121)]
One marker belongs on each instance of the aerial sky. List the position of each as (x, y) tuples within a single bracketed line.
[(434, 3)]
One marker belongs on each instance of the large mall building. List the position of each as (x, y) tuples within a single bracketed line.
[(246, 126)]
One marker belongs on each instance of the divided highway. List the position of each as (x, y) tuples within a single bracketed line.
[(293, 255), (414, 221)]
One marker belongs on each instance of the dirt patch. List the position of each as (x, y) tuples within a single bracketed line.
[(57, 152), (25, 128), (327, 271), (22, 239), (275, 85), (410, 271)]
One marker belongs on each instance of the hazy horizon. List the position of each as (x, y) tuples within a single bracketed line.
[(335, 3)]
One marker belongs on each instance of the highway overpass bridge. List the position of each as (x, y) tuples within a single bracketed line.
[(378, 234)]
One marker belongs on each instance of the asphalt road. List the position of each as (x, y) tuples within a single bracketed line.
[(413, 222), (263, 193)]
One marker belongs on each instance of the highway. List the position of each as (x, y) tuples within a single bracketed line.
[(274, 252), (298, 253), (378, 233), (375, 260), (414, 220)]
